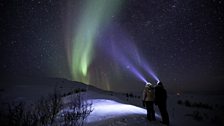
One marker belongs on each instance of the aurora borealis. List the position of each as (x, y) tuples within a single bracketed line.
[(94, 15), (115, 45)]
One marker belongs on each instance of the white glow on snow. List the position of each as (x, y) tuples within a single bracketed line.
[(105, 109)]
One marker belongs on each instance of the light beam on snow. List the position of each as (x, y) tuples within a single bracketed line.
[(106, 109)]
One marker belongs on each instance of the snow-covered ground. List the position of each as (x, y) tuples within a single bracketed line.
[(111, 113), (118, 109)]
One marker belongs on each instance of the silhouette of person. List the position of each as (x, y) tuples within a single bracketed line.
[(160, 100), (148, 101)]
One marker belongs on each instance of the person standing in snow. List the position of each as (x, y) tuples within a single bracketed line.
[(148, 101), (160, 100)]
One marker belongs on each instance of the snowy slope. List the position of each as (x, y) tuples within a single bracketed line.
[(115, 109)]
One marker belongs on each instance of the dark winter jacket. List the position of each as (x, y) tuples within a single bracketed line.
[(160, 95)]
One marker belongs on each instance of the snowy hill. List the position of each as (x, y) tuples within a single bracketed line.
[(119, 109)]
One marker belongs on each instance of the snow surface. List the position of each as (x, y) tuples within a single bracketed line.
[(109, 109), (115, 109)]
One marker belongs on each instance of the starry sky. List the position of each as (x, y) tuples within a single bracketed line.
[(115, 45)]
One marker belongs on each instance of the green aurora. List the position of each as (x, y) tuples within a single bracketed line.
[(95, 14)]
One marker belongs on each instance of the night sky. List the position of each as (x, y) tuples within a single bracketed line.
[(109, 43)]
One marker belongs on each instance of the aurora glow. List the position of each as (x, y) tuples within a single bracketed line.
[(116, 47), (96, 13), (95, 41), (181, 42)]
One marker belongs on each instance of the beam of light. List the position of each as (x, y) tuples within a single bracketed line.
[(107, 109), (94, 15), (149, 70), (124, 51), (135, 56), (140, 76), (141, 61), (124, 61)]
